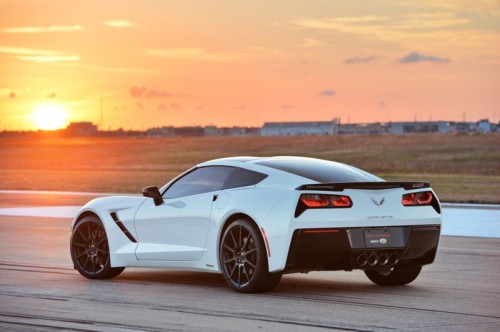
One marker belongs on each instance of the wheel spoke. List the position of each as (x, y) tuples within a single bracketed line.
[(86, 262), (80, 255), (89, 232), (81, 245), (100, 241), (93, 264), (230, 260), (232, 236), (232, 271), (246, 273), (99, 259), (228, 248), (105, 259), (82, 235), (245, 242), (251, 264), (250, 251), (239, 276), (239, 243)]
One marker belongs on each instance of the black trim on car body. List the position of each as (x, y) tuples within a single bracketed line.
[(340, 186), (334, 249), (122, 227)]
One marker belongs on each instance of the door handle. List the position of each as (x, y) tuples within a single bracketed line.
[(215, 197)]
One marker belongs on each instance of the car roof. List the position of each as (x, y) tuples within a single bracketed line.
[(310, 168), (240, 160)]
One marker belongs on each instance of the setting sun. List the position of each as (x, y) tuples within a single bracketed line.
[(50, 117)]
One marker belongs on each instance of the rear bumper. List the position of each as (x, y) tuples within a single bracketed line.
[(351, 248)]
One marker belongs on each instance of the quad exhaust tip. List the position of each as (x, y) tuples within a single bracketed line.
[(374, 259), (362, 259), (393, 259), (383, 259)]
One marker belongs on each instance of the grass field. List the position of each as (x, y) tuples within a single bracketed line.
[(461, 168)]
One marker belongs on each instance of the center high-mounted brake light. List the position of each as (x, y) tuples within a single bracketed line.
[(422, 198)]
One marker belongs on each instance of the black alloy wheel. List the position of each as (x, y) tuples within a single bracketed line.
[(90, 250), (243, 259)]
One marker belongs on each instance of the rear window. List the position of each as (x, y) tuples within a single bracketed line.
[(240, 177), (321, 170)]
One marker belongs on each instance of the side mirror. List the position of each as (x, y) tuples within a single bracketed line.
[(154, 193)]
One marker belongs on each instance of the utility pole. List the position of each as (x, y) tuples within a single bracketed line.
[(101, 120)]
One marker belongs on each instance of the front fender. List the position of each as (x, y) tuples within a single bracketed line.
[(121, 248)]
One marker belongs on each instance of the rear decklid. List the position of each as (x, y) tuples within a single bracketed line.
[(380, 201)]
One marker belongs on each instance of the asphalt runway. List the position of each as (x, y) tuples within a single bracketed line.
[(39, 290)]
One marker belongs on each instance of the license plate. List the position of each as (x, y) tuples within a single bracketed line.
[(384, 237)]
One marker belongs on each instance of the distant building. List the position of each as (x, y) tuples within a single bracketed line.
[(211, 131), (484, 126), (303, 128), (239, 131), (160, 132), (81, 129), (362, 129), (299, 128), (189, 131), (420, 127)]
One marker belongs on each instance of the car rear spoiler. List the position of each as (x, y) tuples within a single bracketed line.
[(340, 186)]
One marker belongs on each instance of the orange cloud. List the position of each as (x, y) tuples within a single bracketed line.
[(54, 28), (36, 55), (119, 23), (194, 54)]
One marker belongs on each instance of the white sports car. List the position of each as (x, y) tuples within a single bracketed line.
[(253, 219)]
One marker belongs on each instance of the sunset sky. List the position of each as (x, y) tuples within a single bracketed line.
[(159, 63)]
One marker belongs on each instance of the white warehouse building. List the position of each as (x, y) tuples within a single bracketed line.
[(300, 128)]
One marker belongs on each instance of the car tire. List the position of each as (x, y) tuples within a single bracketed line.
[(243, 259), (90, 250), (399, 275)]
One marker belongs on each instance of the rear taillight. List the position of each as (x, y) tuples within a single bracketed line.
[(315, 201), (408, 199), (341, 201), (422, 198), (325, 201)]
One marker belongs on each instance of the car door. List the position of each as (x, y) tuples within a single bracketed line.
[(177, 229)]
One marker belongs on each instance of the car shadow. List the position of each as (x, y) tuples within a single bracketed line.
[(325, 284)]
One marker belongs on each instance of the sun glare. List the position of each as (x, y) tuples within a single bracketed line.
[(50, 117)]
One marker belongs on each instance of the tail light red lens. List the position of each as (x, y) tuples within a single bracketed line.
[(408, 199), (422, 198), (315, 201), (340, 201), (325, 201)]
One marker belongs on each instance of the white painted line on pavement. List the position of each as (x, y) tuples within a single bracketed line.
[(44, 211), (456, 222)]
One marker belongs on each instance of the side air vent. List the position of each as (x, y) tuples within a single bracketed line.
[(122, 227)]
